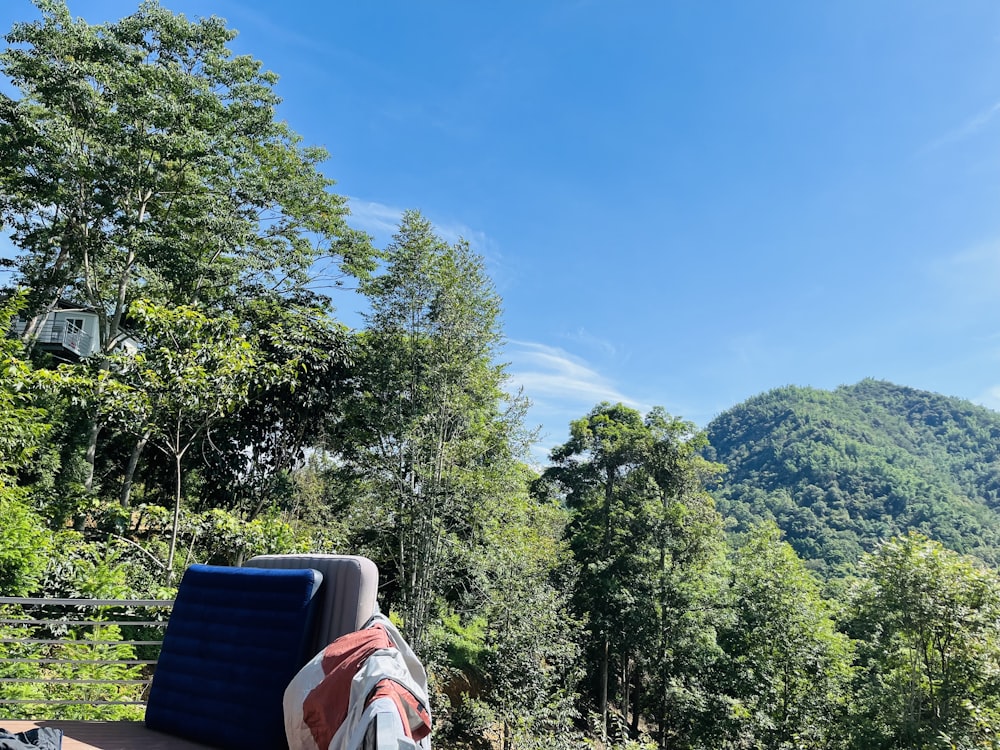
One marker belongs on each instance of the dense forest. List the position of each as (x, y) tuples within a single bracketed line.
[(815, 570), (841, 471)]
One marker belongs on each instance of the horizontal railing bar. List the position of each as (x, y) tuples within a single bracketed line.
[(35, 601), (70, 681), (131, 662), (79, 623), (52, 702), (55, 616), (77, 609), (71, 642)]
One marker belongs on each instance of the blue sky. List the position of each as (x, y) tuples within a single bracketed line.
[(682, 203)]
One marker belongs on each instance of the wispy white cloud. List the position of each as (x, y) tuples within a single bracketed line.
[(967, 129), (585, 337), (381, 221), (377, 219), (452, 232), (561, 386), (548, 372)]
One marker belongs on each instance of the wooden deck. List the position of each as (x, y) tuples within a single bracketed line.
[(106, 735)]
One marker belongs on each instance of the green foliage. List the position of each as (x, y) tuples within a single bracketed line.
[(464, 643), (22, 423), (216, 536), (302, 380), (928, 625), (82, 661), (13, 651), (23, 548), (107, 568), (647, 541), (786, 668), (530, 655), (73, 668), (144, 160), (226, 539), (193, 372), (839, 471), (86, 570)]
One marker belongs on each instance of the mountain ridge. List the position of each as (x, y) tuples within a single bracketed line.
[(840, 470)]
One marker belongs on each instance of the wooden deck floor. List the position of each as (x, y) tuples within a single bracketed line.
[(106, 735)]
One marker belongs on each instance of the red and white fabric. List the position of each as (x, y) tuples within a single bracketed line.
[(331, 702)]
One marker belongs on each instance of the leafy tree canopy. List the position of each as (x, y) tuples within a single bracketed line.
[(143, 158), (926, 621), (840, 470)]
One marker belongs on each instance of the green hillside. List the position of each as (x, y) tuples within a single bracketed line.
[(840, 470)]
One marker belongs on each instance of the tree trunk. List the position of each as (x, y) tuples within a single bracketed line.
[(609, 494), (133, 461), (633, 731), (177, 519), (661, 656), (95, 431), (91, 455), (604, 691), (626, 685)]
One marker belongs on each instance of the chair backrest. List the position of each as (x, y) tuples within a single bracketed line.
[(348, 596), (235, 639)]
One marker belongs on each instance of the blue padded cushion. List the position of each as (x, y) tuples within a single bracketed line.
[(235, 639)]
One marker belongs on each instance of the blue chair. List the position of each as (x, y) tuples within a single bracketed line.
[(235, 639)]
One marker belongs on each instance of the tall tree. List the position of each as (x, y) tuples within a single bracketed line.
[(430, 428), (786, 669), (142, 159), (599, 470), (648, 542), (689, 547), (927, 622)]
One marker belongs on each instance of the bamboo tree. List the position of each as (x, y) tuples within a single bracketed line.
[(430, 422)]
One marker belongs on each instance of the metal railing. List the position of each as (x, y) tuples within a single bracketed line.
[(78, 658), (66, 334)]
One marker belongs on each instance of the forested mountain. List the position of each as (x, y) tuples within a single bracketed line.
[(597, 603), (840, 470)]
